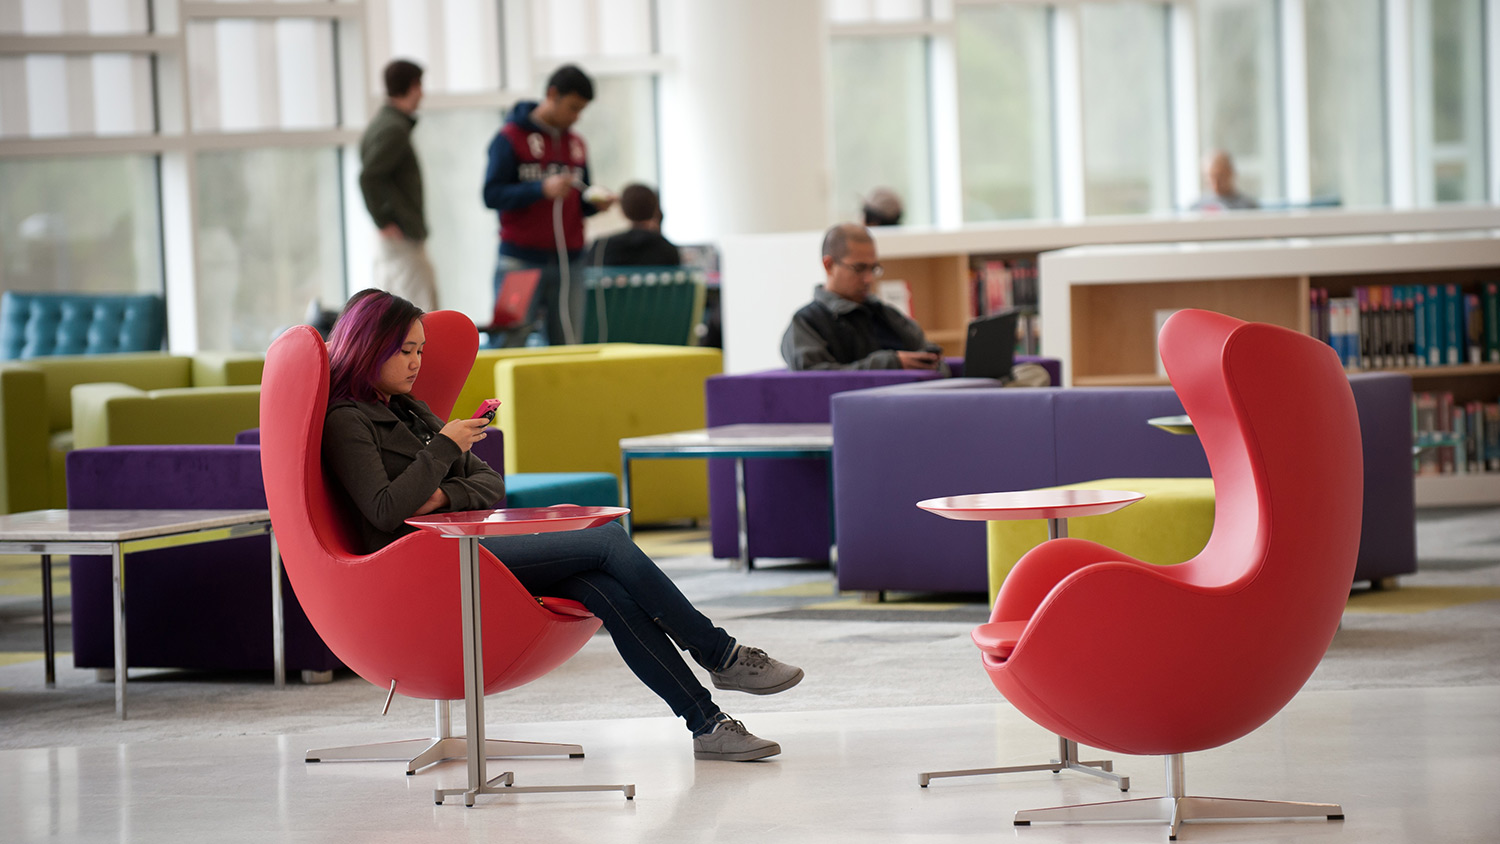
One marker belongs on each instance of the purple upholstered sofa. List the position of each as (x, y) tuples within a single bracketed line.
[(894, 446), (202, 606), (787, 500)]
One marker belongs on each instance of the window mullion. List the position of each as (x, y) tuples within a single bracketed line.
[(1067, 99), (1296, 132)]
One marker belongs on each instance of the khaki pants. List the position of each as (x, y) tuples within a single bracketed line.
[(1029, 375), (402, 268)]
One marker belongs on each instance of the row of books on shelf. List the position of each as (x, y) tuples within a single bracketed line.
[(1453, 438), (1409, 325), (997, 284)]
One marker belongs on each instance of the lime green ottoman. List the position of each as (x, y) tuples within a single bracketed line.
[(1170, 525)]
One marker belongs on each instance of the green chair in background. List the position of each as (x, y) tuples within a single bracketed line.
[(659, 305)]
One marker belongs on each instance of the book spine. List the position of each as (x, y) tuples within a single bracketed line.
[(1366, 341), (1492, 321), (1474, 442), (1424, 429), (1445, 431), (1453, 328), (1325, 318), (1473, 329), (1434, 325), (1418, 326), (1492, 436)]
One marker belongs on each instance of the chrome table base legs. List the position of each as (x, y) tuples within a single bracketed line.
[(430, 751), (502, 784), (1068, 751), (445, 746)]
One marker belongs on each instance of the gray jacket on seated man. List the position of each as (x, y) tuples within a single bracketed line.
[(845, 326), (832, 332)]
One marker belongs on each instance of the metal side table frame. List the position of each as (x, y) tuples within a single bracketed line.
[(1055, 506), (468, 533), (784, 440), (115, 533)]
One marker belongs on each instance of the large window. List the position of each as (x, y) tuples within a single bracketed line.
[(1346, 114), (463, 234), (1127, 144), (620, 128), (255, 75), (79, 224), (881, 136), (269, 242), (1450, 101), (1004, 112), (1239, 108), (47, 96)]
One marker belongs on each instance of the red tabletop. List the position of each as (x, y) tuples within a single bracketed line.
[(1031, 504), (517, 520)]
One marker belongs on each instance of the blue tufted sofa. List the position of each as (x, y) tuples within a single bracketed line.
[(34, 325)]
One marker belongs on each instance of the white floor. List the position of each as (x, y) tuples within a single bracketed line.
[(1408, 765)]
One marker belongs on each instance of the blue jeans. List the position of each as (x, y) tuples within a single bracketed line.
[(641, 607)]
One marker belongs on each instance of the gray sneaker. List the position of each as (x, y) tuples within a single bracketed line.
[(729, 741), (754, 672)]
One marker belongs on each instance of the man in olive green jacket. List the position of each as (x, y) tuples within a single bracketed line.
[(391, 182)]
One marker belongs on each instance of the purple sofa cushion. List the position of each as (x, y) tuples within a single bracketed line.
[(198, 606), (787, 500), (894, 446)]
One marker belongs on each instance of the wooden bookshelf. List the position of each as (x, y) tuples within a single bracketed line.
[(767, 277), (1100, 307)]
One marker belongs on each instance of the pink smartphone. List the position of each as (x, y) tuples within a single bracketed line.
[(487, 410)]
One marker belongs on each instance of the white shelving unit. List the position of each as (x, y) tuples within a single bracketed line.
[(1101, 305), (767, 277)]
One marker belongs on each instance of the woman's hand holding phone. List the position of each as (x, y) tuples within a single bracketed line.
[(466, 432)]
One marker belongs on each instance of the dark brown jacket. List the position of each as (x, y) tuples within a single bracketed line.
[(387, 473)]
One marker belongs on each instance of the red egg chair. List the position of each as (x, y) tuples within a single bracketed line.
[(1119, 654), (393, 616)]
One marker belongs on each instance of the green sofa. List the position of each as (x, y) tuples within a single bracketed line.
[(134, 398)]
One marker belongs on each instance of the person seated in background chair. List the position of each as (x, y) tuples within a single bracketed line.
[(1222, 195), (394, 460), (882, 208), (642, 245), (845, 326)]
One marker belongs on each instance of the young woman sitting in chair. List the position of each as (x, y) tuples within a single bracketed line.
[(395, 459)]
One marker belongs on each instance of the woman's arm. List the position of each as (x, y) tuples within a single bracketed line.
[(473, 485), (470, 483), (352, 452)]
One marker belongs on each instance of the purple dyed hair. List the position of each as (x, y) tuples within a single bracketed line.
[(371, 328)]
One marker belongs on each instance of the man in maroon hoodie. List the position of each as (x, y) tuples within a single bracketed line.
[(537, 174)]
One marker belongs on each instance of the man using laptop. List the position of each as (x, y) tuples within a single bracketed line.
[(845, 326)]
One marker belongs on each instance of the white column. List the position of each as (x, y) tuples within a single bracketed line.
[(1408, 115), (1492, 96), (744, 122), (1067, 76), (947, 155), (179, 187), (1295, 128), (1183, 47)]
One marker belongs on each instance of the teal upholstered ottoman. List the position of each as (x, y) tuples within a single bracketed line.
[(546, 489), (1170, 525)]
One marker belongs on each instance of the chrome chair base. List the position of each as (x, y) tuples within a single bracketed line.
[(1177, 808), (1066, 748), (506, 786), (430, 751), (445, 746)]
